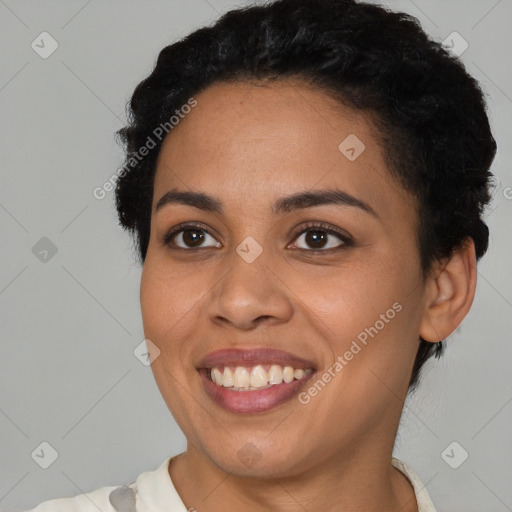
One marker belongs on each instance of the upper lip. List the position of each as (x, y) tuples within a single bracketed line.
[(253, 357)]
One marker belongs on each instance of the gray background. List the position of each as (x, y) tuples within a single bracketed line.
[(69, 325)]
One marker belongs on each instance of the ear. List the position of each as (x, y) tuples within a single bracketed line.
[(449, 293)]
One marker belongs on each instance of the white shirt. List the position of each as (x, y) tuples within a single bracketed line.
[(154, 491)]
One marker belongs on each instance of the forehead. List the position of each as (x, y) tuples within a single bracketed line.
[(247, 141)]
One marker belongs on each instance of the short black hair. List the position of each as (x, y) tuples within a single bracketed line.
[(430, 113)]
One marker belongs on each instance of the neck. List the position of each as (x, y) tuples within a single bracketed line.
[(361, 479)]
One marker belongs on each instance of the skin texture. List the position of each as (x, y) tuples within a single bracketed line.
[(248, 144)]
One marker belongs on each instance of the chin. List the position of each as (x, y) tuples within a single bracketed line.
[(258, 460)]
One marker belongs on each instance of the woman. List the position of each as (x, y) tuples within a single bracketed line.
[(305, 181)]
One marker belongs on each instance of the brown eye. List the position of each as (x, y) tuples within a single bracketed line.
[(316, 239), (189, 236), (192, 237), (322, 239)]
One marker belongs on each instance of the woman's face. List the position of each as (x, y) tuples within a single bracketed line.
[(248, 275)]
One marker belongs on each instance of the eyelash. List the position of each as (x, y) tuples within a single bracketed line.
[(347, 241)]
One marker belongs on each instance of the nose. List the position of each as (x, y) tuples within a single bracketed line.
[(250, 294)]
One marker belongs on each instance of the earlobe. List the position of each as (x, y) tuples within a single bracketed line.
[(450, 293)]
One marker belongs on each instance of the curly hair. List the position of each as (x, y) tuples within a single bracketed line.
[(430, 112)]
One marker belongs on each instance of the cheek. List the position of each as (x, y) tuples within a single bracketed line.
[(166, 306), (167, 301), (349, 298), (365, 314)]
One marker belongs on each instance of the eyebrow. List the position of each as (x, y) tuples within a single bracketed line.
[(297, 201)]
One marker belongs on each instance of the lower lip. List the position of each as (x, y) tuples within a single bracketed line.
[(252, 401)]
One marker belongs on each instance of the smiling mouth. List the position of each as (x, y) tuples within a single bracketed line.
[(254, 378), (235, 394)]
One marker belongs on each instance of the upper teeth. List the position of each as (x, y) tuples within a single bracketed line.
[(243, 378)]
